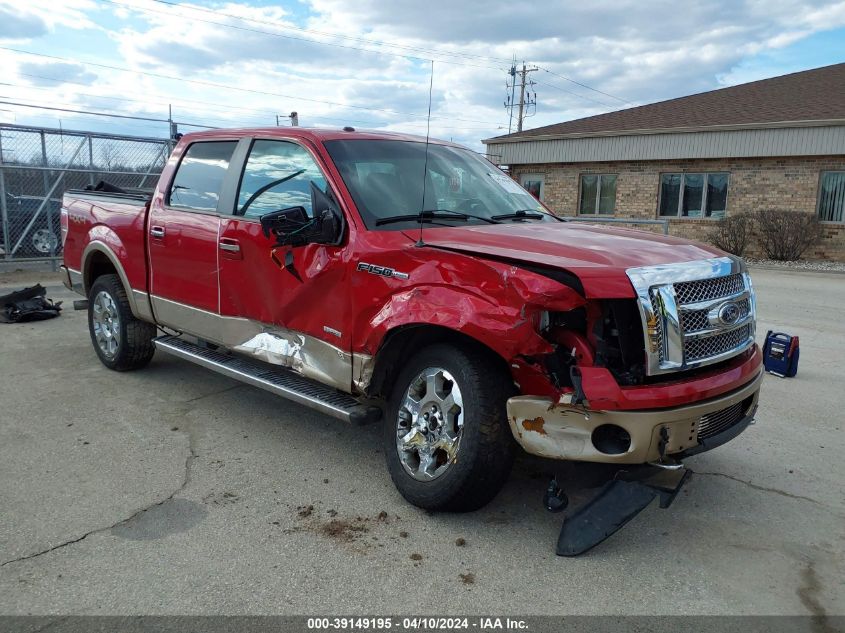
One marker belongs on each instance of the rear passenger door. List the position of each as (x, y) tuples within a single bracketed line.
[(183, 231)]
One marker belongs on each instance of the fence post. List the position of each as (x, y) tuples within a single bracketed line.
[(90, 162), (46, 163), (4, 214), (153, 165)]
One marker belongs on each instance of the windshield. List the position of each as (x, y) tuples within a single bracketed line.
[(385, 179)]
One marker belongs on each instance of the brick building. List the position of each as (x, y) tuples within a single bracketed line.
[(772, 144)]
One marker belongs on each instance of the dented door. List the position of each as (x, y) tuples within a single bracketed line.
[(290, 303)]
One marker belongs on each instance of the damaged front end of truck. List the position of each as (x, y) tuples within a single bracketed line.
[(639, 381)]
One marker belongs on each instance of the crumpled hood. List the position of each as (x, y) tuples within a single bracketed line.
[(599, 256)]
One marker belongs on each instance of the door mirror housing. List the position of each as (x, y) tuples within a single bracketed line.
[(292, 226)]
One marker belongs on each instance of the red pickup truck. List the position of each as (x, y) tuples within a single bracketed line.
[(378, 276)]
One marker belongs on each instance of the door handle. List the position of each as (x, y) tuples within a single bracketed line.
[(230, 246), (157, 231)]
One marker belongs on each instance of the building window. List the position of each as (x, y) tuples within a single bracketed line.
[(832, 196), (598, 194), (694, 195), (533, 184)]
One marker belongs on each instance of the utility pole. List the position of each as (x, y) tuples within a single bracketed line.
[(526, 99), (174, 129), (293, 116)]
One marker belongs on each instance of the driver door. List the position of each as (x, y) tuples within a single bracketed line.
[(298, 293)]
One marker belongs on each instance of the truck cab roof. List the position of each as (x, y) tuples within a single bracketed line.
[(313, 134)]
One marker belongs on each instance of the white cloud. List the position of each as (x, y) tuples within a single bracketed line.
[(639, 51)]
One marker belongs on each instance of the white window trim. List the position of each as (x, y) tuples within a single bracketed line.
[(683, 175), (536, 177), (596, 210)]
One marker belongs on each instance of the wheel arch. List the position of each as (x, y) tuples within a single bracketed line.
[(99, 259), (401, 342)]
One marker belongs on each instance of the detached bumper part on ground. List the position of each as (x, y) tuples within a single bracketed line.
[(616, 503), (29, 304)]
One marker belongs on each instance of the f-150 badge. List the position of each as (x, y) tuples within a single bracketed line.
[(382, 271)]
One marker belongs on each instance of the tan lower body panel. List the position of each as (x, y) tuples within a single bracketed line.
[(307, 355), (561, 431)]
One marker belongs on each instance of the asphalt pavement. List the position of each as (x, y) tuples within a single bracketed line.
[(173, 490)]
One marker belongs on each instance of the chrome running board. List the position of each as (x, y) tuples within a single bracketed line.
[(277, 380)]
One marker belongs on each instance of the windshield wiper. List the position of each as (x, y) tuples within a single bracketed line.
[(521, 214), (427, 215)]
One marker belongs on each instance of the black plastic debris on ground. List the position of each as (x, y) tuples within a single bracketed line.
[(29, 304)]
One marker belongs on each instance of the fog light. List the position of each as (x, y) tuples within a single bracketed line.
[(611, 439)]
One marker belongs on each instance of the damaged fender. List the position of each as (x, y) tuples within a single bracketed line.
[(501, 310)]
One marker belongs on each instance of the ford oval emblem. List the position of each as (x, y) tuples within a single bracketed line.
[(729, 313)]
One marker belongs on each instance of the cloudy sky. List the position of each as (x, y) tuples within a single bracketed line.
[(367, 63)]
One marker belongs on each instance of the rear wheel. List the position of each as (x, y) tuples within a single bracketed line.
[(446, 437), (121, 341)]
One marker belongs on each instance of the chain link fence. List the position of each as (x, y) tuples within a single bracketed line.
[(38, 164)]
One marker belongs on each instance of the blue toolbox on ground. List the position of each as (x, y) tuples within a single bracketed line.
[(780, 354)]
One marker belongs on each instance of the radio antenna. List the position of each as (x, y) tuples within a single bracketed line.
[(425, 164)]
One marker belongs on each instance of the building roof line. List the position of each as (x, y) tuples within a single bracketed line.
[(764, 125)]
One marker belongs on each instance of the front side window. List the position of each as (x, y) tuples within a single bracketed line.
[(277, 175), (694, 195), (199, 177), (391, 182), (832, 196), (598, 194)]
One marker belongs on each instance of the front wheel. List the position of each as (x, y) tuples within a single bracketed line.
[(121, 341), (446, 436)]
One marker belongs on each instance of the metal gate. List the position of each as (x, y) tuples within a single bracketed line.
[(38, 164)]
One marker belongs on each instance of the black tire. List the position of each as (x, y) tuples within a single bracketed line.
[(486, 447), (134, 342)]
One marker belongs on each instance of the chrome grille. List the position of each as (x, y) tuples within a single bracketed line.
[(658, 331), (694, 313), (707, 289), (697, 320), (694, 321), (698, 348), (714, 423)]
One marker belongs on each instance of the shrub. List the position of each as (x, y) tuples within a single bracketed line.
[(785, 235), (732, 234)]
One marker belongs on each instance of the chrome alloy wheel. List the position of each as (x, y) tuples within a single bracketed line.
[(106, 321), (429, 424)]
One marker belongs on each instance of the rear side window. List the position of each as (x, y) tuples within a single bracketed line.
[(199, 177), (277, 175)]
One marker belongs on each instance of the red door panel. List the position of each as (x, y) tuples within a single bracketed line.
[(258, 286), (183, 257)]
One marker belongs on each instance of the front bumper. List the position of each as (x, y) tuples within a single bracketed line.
[(562, 431)]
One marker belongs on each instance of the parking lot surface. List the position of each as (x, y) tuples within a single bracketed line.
[(173, 490)]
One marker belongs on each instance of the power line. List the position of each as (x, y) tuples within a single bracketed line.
[(105, 114), (237, 88), (575, 94), (213, 106), (371, 41), (578, 83), (354, 38), (302, 39)]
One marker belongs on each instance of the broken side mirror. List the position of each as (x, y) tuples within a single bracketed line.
[(285, 224), (329, 216), (292, 226)]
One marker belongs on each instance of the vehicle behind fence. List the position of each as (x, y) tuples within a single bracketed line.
[(38, 164)]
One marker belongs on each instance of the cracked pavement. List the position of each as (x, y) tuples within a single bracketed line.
[(173, 490)]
